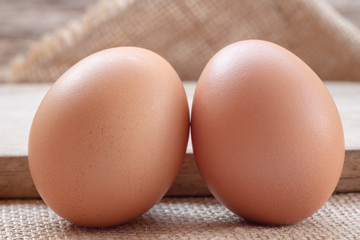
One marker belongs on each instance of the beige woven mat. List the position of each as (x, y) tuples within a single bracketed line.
[(187, 33), (182, 218)]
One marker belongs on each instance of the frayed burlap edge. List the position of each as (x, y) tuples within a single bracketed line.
[(54, 42)]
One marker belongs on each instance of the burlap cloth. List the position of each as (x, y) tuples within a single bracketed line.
[(187, 33), (182, 218)]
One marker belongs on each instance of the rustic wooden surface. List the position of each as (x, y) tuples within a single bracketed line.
[(23, 22), (19, 102)]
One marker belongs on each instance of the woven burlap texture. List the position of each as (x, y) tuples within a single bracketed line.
[(182, 218), (188, 33)]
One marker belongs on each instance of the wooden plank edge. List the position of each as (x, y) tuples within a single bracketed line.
[(350, 176), (16, 182), (15, 178)]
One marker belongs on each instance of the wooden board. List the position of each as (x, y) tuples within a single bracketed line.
[(18, 104)]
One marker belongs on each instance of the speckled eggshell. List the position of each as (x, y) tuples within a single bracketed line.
[(109, 137), (267, 136)]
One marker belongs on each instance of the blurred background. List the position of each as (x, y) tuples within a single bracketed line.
[(24, 22)]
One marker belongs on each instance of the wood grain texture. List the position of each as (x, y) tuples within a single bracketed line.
[(19, 102), (23, 22)]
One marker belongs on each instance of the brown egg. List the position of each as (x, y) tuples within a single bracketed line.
[(109, 137), (267, 136)]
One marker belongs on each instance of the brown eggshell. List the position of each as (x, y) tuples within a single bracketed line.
[(109, 137), (267, 136)]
